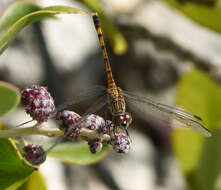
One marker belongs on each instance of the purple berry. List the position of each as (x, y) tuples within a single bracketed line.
[(38, 102), (95, 145), (34, 154), (121, 143), (93, 122), (67, 120)]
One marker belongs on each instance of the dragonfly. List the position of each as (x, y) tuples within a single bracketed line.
[(113, 99)]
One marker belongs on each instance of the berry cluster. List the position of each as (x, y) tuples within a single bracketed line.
[(40, 105), (120, 142), (95, 145), (68, 122), (34, 154)]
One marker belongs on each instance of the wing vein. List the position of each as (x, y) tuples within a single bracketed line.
[(190, 120)]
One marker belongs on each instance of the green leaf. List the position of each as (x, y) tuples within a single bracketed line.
[(209, 171), (114, 37), (35, 182), (1, 126), (187, 147), (77, 153), (9, 97), (13, 170), (25, 18), (15, 11), (207, 16), (199, 94)]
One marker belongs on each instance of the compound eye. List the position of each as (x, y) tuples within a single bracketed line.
[(124, 123), (119, 119), (128, 118)]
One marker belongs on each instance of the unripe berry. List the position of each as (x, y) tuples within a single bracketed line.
[(93, 122), (95, 145), (121, 143), (67, 122), (34, 154), (38, 103)]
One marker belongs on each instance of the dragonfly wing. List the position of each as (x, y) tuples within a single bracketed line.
[(188, 119), (88, 94), (99, 104), (26, 122)]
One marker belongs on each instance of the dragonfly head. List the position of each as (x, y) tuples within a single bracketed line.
[(123, 120)]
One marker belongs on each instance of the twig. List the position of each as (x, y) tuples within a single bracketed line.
[(19, 132)]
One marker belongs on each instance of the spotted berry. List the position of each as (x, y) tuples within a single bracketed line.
[(34, 154), (38, 102), (67, 123), (93, 122), (95, 145), (120, 142)]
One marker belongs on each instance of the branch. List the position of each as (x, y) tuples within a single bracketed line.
[(19, 132)]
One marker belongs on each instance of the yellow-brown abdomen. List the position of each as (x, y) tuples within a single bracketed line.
[(110, 78)]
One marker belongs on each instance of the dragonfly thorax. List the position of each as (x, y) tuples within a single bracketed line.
[(116, 101), (117, 107)]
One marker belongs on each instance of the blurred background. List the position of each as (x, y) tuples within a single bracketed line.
[(155, 47)]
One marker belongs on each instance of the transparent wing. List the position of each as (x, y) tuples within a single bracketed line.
[(188, 119), (88, 94), (99, 104)]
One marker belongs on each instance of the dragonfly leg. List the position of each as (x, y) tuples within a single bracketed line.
[(106, 113), (108, 125)]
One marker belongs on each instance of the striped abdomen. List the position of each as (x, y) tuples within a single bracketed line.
[(110, 78)]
